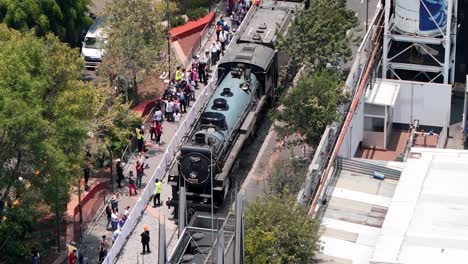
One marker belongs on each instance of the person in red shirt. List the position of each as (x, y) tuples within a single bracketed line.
[(158, 130), (72, 257), (139, 171)]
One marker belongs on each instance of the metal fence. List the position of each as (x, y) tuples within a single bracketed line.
[(169, 154)]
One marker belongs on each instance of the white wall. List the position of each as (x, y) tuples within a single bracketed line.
[(428, 102), (355, 132)]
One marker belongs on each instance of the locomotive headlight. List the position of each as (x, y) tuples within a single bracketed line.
[(205, 200), (193, 174)]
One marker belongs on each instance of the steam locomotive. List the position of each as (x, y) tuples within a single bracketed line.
[(248, 75)]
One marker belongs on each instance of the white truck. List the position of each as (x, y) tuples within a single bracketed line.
[(92, 49)]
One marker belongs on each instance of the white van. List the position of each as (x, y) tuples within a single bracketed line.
[(93, 44)]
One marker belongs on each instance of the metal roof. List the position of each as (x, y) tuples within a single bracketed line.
[(269, 20), (382, 93), (249, 53)]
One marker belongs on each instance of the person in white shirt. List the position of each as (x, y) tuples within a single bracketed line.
[(127, 211), (218, 49), (177, 120), (222, 39), (214, 53), (158, 115)]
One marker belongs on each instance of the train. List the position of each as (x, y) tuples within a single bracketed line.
[(248, 76)]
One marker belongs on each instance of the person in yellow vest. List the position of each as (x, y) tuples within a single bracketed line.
[(178, 74), (157, 193), (140, 138)]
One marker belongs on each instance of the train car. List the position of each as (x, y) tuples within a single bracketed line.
[(247, 77)]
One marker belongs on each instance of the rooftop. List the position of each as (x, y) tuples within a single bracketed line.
[(382, 93), (421, 218), (426, 222)]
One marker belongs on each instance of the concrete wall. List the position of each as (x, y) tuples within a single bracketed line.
[(374, 139), (428, 102), (355, 132)]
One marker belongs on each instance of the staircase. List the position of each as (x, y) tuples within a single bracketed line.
[(368, 168)]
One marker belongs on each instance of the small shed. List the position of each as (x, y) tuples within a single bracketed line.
[(379, 102)]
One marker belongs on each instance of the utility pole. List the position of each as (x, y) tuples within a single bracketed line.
[(168, 16), (80, 206)]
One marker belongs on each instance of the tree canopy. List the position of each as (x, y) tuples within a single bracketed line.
[(66, 19), (286, 177), (319, 35), (44, 114), (309, 107), (279, 231), (136, 39)]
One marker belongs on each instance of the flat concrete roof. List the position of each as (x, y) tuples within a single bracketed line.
[(428, 215), (354, 215), (382, 93)]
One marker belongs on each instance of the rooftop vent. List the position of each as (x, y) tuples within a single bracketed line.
[(220, 104), (227, 92), (256, 37)]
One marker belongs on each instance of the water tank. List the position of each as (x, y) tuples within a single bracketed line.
[(421, 17)]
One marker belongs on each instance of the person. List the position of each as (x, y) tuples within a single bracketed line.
[(170, 110), (177, 118), (159, 132), (234, 21), (222, 39), (114, 219), (122, 222), (109, 215), (127, 211), (140, 138), (153, 130), (145, 239), (202, 70), (103, 247), (72, 257), (139, 171), (214, 53), (131, 184), (219, 27), (35, 256), (218, 49), (157, 193), (114, 201), (183, 102), (115, 235), (120, 175), (178, 74), (87, 174), (158, 115), (195, 75)]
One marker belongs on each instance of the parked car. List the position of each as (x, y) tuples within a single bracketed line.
[(94, 42)]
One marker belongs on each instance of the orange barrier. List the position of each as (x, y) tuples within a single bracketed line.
[(191, 27)]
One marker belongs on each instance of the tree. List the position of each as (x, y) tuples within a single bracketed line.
[(309, 107), (44, 114), (66, 19), (286, 177), (279, 231), (136, 40), (319, 35), (113, 124)]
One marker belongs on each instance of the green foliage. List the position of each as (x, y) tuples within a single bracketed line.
[(279, 231), (113, 125), (319, 35), (44, 114), (66, 19), (136, 39), (309, 107), (177, 21), (192, 4), (286, 177), (194, 14)]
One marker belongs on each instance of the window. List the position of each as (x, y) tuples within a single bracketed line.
[(93, 43), (374, 124)]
